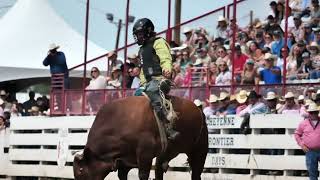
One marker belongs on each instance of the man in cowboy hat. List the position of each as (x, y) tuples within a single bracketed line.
[(290, 106), (271, 74), (241, 98), (213, 106), (57, 62), (272, 101), (307, 136), (254, 105)]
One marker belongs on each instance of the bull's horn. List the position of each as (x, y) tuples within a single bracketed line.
[(77, 152)]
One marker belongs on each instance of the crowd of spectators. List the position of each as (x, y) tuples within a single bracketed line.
[(10, 107), (203, 58)]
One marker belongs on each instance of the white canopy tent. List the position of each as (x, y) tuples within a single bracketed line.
[(25, 34)]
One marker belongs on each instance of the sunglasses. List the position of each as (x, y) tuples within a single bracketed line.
[(129, 71), (222, 65), (94, 71), (268, 37), (220, 51)]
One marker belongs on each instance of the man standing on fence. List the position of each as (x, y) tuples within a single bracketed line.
[(58, 64), (308, 137)]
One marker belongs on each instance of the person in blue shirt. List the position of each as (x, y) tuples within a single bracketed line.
[(277, 44), (57, 62), (271, 74)]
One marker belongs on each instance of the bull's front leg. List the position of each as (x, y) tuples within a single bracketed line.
[(145, 154)]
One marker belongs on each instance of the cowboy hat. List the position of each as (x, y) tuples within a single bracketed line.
[(314, 44), (53, 46), (223, 96), (268, 56), (270, 96), (116, 68), (221, 18), (289, 95), (132, 56), (34, 109), (212, 99), (301, 98), (241, 97), (313, 107), (253, 94), (197, 102), (308, 102)]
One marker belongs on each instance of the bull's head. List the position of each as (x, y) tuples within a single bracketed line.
[(86, 166)]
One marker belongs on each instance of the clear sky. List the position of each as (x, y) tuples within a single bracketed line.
[(103, 33)]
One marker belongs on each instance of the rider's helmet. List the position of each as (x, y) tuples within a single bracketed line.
[(143, 30)]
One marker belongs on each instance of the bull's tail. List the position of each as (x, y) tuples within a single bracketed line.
[(203, 130)]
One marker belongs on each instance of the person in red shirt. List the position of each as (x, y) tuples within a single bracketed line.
[(239, 62)]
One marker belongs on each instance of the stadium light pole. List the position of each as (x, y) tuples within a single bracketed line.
[(119, 23)]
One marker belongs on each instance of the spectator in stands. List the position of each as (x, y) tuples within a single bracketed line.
[(239, 62), (273, 7), (271, 74), (290, 106), (292, 68), (291, 40), (224, 77), (280, 60), (316, 32), (31, 102), (290, 20), (280, 13), (241, 98), (255, 52), (97, 80), (315, 57), (304, 72), (222, 28), (222, 56), (277, 44), (249, 75), (202, 39), (203, 56), (224, 105), (272, 26), (34, 111), (190, 37), (254, 105), (307, 136), (315, 12), (307, 34), (115, 80), (4, 97), (272, 102), (185, 60), (301, 99), (136, 81), (298, 27), (16, 110), (188, 76), (213, 106), (212, 74), (57, 62), (259, 39), (177, 75), (268, 38), (113, 62), (134, 59)]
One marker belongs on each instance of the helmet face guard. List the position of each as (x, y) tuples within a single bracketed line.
[(143, 29)]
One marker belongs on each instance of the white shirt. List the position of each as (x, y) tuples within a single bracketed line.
[(224, 78), (135, 83), (290, 23), (258, 108), (98, 83), (208, 111)]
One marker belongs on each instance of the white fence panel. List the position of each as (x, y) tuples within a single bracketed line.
[(35, 144)]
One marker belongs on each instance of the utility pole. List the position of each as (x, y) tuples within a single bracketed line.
[(177, 21)]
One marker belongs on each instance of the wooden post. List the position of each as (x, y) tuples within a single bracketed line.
[(177, 21)]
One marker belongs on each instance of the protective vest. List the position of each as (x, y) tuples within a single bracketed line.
[(150, 61)]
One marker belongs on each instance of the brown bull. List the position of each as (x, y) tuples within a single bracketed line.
[(125, 135)]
